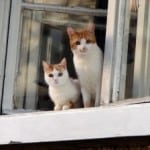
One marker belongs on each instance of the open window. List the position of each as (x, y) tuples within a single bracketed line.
[(41, 35), (35, 30)]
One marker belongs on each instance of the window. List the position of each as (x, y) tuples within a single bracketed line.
[(41, 23), (42, 36), (37, 31)]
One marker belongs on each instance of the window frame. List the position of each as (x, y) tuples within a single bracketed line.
[(4, 15), (12, 49)]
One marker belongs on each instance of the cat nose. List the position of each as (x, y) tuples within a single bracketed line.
[(83, 49), (55, 80)]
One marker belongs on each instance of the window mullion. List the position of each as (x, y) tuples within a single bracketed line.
[(63, 9), (121, 51), (11, 60), (4, 15), (106, 90)]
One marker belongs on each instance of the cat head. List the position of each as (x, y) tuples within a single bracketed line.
[(56, 74), (81, 41)]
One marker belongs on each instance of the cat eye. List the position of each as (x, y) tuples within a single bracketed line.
[(88, 41), (60, 74), (77, 42), (51, 75)]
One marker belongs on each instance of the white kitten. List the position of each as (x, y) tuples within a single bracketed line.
[(88, 59), (64, 92)]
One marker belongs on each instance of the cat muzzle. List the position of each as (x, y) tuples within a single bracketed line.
[(83, 50), (55, 81)]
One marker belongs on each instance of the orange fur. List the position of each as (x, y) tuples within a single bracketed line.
[(76, 35), (85, 34), (48, 68)]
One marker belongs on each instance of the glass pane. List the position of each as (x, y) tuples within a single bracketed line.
[(44, 37), (71, 3), (141, 81), (131, 53), (137, 79)]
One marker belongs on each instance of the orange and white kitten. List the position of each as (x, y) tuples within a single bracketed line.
[(88, 60), (64, 92)]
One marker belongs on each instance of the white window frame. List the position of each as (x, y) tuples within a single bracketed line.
[(78, 124), (11, 61), (4, 22)]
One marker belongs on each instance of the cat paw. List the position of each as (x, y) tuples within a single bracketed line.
[(57, 107), (65, 107), (97, 104), (104, 102), (87, 104)]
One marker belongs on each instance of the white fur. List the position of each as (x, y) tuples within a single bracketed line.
[(88, 66), (64, 91)]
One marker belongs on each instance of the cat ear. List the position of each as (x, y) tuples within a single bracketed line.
[(70, 31), (46, 66), (91, 27), (64, 62)]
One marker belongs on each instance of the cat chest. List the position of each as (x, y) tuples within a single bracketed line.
[(88, 77), (61, 95), (88, 71), (88, 74)]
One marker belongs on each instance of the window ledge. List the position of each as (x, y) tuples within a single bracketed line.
[(92, 123)]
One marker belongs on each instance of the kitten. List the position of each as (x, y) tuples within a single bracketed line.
[(64, 92), (88, 59)]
